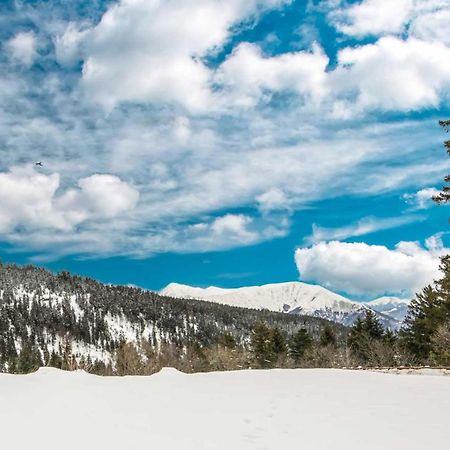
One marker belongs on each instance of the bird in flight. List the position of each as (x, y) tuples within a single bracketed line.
[(38, 164)]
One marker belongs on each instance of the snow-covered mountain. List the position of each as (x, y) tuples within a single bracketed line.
[(291, 297), (392, 306), (48, 318)]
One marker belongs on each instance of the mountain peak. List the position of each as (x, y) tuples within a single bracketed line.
[(293, 297)]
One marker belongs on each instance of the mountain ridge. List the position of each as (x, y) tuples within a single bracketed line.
[(55, 315), (296, 297)]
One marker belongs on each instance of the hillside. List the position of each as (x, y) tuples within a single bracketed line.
[(58, 314), (293, 298)]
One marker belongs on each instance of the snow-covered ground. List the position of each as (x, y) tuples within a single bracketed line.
[(277, 409)]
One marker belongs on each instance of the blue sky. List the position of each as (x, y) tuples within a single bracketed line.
[(226, 142)]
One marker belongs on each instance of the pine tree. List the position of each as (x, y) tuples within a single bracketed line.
[(327, 337), (227, 341), (444, 195), (278, 342), (29, 359), (428, 312), (55, 360), (298, 344), (364, 334), (261, 345), (372, 326)]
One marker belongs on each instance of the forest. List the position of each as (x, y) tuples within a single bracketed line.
[(71, 322)]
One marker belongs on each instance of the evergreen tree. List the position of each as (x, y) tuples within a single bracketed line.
[(372, 326), (55, 360), (227, 341), (364, 334), (29, 359), (261, 345), (327, 337), (444, 195), (298, 344), (428, 312), (278, 342)]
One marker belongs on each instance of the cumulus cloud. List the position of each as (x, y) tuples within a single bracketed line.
[(229, 230), (433, 25), (367, 270), (152, 51), (224, 231), (26, 199), (101, 196), (421, 199), (373, 17), (30, 200), (381, 17), (418, 75), (22, 48), (247, 75), (272, 200)]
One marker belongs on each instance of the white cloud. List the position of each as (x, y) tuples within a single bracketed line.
[(26, 199), (22, 48), (272, 200), (423, 18), (375, 17), (225, 231), (100, 195), (247, 76), (393, 74), (364, 226), (29, 200), (232, 223), (371, 270), (69, 44), (243, 152), (229, 231), (153, 53), (145, 51), (433, 25), (422, 199)]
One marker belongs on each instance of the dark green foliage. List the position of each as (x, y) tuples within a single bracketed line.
[(363, 334), (29, 359), (327, 337), (428, 313), (278, 342), (298, 344), (268, 345), (227, 341), (444, 195), (55, 360), (261, 346)]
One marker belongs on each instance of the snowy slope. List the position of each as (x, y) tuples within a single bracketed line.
[(392, 306), (292, 297), (277, 409)]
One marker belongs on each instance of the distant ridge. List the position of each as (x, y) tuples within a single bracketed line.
[(296, 298)]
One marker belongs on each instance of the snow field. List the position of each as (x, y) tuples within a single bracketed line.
[(323, 409)]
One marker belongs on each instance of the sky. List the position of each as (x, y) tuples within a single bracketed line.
[(226, 142)]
